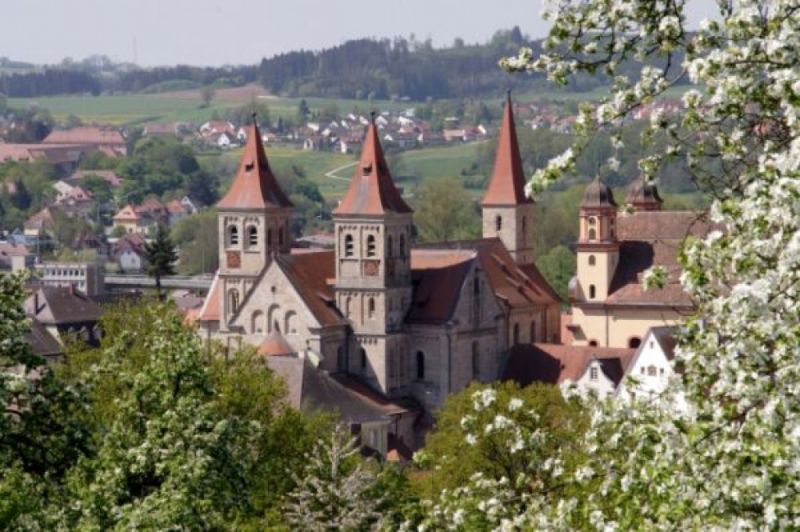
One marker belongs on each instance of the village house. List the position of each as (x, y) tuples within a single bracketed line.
[(408, 323), (106, 140), (129, 252), (65, 312)]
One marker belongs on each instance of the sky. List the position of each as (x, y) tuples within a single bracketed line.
[(216, 32)]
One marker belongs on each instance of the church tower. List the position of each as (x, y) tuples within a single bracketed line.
[(253, 225), (598, 248), (643, 196), (373, 269), (507, 212)]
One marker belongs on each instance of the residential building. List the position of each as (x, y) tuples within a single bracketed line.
[(106, 140), (65, 312), (88, 277)]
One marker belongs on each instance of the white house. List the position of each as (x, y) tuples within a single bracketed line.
[(651, 367)]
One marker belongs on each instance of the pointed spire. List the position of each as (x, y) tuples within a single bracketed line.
[(507, 185), (254, 186), (372, 189)]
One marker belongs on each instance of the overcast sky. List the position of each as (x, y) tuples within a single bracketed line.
[(215, 32)]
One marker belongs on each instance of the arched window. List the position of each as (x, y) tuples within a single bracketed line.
[(420, 365), (402, 246), (290, 322), (280, 236), (371, 308), (348, 245), (476, 361), (269, 237), (592, 234), (498, 222), (272, 319), (363, 358), (371, 246), (233, 235), (591, 260), (252, 236), (516, 333), (233, 300), (348, 304), (389, 246), (592, 291), (592, 221), (634, 342), (533, 331), (593, 343), (257, 322)]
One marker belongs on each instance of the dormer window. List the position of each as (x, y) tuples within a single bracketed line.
[(366, 169)]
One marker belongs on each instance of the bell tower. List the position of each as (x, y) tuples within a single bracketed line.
[(508, 213), (253, 225), (372, 225), (598, 247)]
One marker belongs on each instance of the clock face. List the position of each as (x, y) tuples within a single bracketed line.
[(234, 259), (371, 267)]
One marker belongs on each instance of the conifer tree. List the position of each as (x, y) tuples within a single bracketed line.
[(161, 257)]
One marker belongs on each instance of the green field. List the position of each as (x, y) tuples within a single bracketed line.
[(139, 108), (331, 171)]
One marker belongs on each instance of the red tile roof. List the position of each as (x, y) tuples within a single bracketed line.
[(210, 309), (438, 276), (309, 274), (254, 186), (275, 345), (372, 190), (649, 238), (85, 135), (557, 363), (518, 286), (507, 185)]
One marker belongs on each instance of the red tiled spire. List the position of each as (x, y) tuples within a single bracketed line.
[(372, 189), (254, 186), (507, 185)]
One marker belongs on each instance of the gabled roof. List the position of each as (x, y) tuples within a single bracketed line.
[(210, 309), (507, 184), (556, 363), (128, 212), (254, 186), (310, 387), (649, 238), (372, 190), (56, 305), (437, 276), (309, 273), (85, 135), (516, 285), (41, 341)]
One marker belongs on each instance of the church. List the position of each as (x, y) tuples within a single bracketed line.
[(610, 307), (405, 321)]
